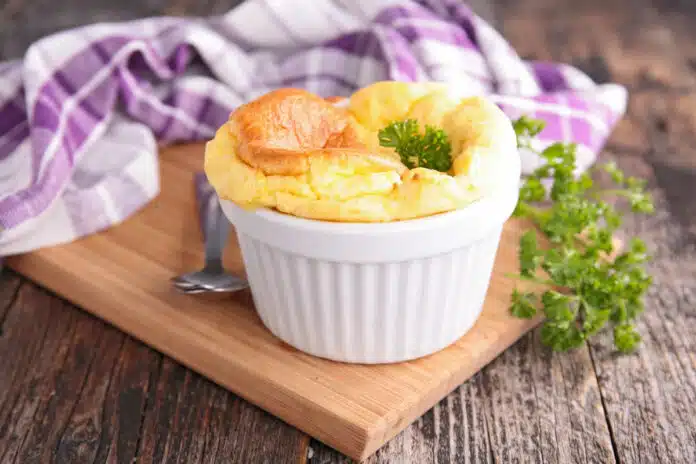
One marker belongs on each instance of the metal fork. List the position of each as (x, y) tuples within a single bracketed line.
[(216, 228)]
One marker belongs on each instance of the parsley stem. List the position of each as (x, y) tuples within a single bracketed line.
[(533, 212), (587, 285), (536, 280)]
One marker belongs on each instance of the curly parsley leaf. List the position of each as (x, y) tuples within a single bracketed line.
[(626, 338), (557, 307), (430, 149), (526, 128), (591, 290), (529, 254), (561, 336), (523, 304)]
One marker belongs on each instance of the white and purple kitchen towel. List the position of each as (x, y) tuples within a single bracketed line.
[(81, 114)]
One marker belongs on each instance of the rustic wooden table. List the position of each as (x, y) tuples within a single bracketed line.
[(73, 389)]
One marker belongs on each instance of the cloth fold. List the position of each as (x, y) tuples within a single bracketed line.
[(82, 112)]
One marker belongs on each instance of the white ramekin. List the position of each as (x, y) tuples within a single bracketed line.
[(373, 293)]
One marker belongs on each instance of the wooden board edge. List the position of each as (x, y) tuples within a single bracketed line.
[(365, 441), (390, 426), (37, 269)]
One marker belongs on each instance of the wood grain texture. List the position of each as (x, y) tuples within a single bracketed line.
[(22, 22), (9, 284), (649, 397), (124, 280), (554, 408), (529, 405), (558, 415), (74, 389), (454, 430), (526, 398), (190, 419)]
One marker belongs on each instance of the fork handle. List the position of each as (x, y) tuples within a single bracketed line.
[(215, 226), (218, 231)]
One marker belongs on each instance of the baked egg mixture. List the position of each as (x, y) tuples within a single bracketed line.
[(307, 156)]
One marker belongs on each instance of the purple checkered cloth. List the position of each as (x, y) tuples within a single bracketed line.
[(82, 112)]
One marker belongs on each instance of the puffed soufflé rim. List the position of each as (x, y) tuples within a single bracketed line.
[(301, 154)]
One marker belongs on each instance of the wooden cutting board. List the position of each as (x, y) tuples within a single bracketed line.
[(121, 276)]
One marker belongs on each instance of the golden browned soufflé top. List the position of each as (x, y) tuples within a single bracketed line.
[(300, 154)]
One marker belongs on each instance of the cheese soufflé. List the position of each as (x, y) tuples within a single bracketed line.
[(315, 158)]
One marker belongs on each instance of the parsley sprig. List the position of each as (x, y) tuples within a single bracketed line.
[(431, 149), (589, 283)]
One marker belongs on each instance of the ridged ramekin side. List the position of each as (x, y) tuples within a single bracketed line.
[(369, 312)]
